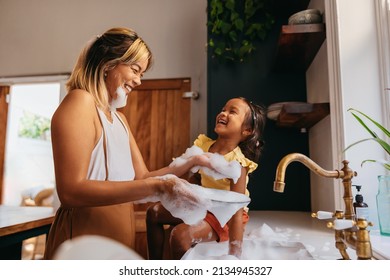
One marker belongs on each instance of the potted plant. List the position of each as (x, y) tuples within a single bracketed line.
[(235, 26), (383, 195)]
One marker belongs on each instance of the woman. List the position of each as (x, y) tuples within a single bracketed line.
[(98, 167)]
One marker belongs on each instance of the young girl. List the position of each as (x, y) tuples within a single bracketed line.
[(239, 127)]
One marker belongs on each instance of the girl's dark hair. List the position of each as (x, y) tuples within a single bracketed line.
[(252, 146)]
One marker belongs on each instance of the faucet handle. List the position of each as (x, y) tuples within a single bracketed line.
[(340, 224), (323, 215), (362, 223)]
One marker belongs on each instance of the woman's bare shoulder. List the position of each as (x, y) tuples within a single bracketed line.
[(77, 103), (79, 97)]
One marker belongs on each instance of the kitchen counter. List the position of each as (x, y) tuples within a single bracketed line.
[(19, 223), (380, 245), (299, 228)]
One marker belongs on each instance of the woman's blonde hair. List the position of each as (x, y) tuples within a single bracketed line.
[(115, 46)]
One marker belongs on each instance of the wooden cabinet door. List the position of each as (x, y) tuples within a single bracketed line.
[(159, 118), (4, 91)]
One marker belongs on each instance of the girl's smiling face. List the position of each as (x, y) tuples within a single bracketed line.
[(229, 122), (122, 79)]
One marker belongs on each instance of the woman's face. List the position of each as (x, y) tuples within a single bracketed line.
[(122, 79)]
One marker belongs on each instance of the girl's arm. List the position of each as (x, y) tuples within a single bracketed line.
[(236, 226)]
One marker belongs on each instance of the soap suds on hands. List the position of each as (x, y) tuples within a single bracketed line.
[(221, 167)]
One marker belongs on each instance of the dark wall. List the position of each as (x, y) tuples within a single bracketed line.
[(259, 82)]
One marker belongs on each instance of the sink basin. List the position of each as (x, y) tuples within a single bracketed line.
[(252, 250), (262, 243)]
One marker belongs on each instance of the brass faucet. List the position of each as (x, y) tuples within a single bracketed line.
[(355, 236)]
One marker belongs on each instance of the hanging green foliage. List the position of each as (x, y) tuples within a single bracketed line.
[(235, 26)]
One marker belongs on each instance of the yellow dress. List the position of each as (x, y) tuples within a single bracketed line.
[(205, 143)]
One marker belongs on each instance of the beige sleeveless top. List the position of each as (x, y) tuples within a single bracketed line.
[(110, 160)]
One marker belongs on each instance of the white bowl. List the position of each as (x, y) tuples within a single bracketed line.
[(306, 17), (308, 11)]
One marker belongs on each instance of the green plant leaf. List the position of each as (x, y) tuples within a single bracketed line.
[(233, 36), (249, 9), (216, 8), (225, 27), (239, 23), (232, 22), (385, 131), (230, 5), (234, 16), (384, 164), (355, 143), (381, 142), (218, 51), (385, 145), (364, 125)]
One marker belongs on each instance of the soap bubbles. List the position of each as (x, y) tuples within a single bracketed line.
[(221, 167)]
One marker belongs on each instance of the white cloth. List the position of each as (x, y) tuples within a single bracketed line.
[(119, 161)]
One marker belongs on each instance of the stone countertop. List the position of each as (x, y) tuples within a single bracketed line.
[(380, 245), (313, 234)]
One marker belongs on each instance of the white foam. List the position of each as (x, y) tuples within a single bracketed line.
[(223, 204), (262, 243), (221, 167), (190, 202), (120, 100)]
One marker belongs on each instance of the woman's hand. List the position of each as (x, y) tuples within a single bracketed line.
[(177, 189), (180, 198)]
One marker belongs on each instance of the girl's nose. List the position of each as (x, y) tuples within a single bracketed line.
[(222, 114)]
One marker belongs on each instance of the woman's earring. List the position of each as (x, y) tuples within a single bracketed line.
[(105, 74)]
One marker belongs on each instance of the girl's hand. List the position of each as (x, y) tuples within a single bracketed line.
[(202, 160), (235, 248)]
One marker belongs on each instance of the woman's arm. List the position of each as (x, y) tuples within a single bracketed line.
[(75, 129), (236, 227), (141, 171)]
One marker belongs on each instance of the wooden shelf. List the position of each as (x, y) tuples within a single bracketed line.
[(298, 45), (302, 115)]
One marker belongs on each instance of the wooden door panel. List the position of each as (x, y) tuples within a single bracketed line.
[(4, 91), (159, 118)]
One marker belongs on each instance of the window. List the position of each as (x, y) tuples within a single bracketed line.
[(28, 160), (383, 30)]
